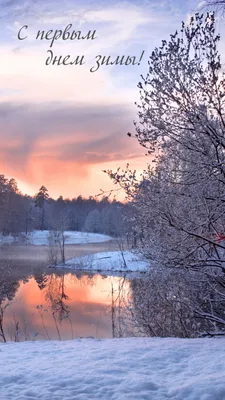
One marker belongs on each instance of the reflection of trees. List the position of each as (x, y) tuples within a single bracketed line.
[(41, 279), (56, 296), (164, 303), (54, 287), (8, 284), (119, 298), (89, 279), (8, 288)]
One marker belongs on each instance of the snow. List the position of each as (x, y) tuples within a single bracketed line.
[(41, 238), (114, 369), (7, 239), (108, 261)]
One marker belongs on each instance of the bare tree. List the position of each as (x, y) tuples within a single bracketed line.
[(218, 5), (53, 251), (58, 237), (174, 303)]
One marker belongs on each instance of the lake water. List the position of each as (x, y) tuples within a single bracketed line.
[(63, 305)]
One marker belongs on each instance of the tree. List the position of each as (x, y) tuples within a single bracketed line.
[(218, 4), (182, 115), (11, 208), (40, 200), (112, 220), (164, 303), (57, 237), (180, 203), (93, 222), (28, 207)]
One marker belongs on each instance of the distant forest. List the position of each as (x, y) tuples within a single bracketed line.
[(23, 213)]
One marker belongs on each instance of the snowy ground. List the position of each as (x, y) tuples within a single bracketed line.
[(114, 369), (108, 261), (41, 238)]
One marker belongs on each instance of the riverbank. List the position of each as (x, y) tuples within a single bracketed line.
[(111, 261)]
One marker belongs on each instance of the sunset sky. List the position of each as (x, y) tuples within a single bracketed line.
[(62, 125)]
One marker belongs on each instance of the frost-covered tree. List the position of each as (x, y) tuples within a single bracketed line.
[(112, 220), (93, 222), (166, 303), (180, 202), (216, 4)]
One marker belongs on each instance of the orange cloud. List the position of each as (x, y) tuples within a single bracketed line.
[(65, 147)]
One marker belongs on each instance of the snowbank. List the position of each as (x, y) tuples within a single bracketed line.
[(7, 239), (41, 238), (108, 261), (114, 369)]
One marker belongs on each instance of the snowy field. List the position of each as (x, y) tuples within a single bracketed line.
[(114, 369), (108, 261), (41, 238)]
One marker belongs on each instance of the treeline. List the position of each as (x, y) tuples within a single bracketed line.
[(23, 213)]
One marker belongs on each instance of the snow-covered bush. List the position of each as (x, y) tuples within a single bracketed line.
[(175, 303)]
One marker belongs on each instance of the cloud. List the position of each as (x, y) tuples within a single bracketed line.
[(61, 123), (53, 141)]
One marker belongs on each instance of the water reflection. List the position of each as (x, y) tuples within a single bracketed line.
[(61, 305)]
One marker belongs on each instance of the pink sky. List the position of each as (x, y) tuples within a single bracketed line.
[(62, 125)]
